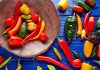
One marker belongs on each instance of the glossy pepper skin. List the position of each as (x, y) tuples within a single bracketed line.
[(52, 61), (91, 3), (78, 9), (70, 27), (82, 4), (23, 30), (86, 66)]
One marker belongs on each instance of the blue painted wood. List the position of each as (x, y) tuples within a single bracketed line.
[(77, 44)]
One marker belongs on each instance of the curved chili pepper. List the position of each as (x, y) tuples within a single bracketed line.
[(52, 61), (34, 33)]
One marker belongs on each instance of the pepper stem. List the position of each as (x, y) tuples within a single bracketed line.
[(58, 39)]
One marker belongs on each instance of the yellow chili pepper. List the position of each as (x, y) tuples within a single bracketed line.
[(25, 9), (19, 65), (83, 34), (41, 30), (31, 26), (6, 67), (88, 47), (57, 53), (39, 68), (63, 5), (86, 66), (79, 21)]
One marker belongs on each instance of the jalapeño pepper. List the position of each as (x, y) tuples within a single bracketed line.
[(70, 27)]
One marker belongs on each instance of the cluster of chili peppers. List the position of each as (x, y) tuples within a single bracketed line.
[(20, 32)]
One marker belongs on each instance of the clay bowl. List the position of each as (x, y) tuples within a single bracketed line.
[(46, 9)]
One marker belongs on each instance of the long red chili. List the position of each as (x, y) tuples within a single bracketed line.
[(52, 61), (65, 48), (34, 33), (86, 21)]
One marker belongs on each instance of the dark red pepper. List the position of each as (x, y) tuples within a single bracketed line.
[(52, 61), (35, 17), (34, 33), (43, 37), (1, 59)]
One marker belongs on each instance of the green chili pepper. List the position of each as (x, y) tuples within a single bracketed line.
[(94, 52), (98, 24), (97, 61), (26, 16), (51, 67), (23, 30), (5, 62), (82, 4), (76, 54), (70, 27), (95, 68)]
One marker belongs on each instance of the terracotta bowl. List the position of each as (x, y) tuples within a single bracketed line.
[(47, 10)]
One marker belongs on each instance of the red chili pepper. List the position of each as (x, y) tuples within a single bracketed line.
[(91, 24), (34, 33), (43, 37), (98, 53), (15, 42), (35, 17), (52, 61), (78, 9), (16, 28), (65, 48), (86, 21), (1, 59)]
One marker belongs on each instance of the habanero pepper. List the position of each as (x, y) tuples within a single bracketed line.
[(34, 33), (52, 61)]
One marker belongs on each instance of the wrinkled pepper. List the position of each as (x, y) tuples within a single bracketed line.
[(83, 34), (51, 67), (79, 23), (86, 66), (63, 5), (16, 28), (98, 52), (39, 67), (41, 30), (95, 68), (57, 53), (91, 3), (19, 67), (77, 9), (97, 61), (23, 30), (25, 9), (70, 27), (94, 51), (88, 47), (82, 4)]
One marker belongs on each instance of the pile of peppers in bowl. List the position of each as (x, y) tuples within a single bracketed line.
[(24, 26)]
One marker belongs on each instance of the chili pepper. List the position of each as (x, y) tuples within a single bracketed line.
[(35, 17), (85, 22), (76, 54), (98, 24), (5, 62), (91, 24), (39, 68), (95, 68), (41, 30), (57, 53), (82, 4), (88, 47), (98, 52), (91, 3), (70, 27), (77, 9), (9, 21), (63, 5), (51, 67), (16, 28), (31, 26), (52, 61), (97, 61), (86, 66), (25, 9), (19, 67), (26, 16), (94, 51), (15, 42), (1, 59), (28, 20), (98, 31), (23, 30), (83, 34), (6, 67), (34, 33), (79, 22), (43, 37)]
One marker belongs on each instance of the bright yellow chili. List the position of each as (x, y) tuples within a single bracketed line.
[(19, 65)]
